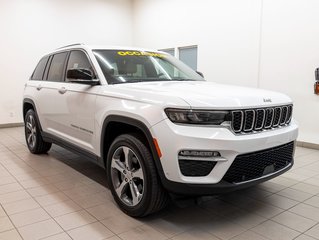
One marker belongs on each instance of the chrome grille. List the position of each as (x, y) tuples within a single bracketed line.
[(283, 115), (237, 120), (269, 118), (249, 120), (277, 116), (245, 121), (260, 119)]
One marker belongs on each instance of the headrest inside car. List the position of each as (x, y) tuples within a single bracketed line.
[(127, 68)]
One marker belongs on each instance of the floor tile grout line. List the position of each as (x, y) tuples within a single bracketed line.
[(292, 228), (15, 228), (228, 219), (253, 232), (139, 227), (287, 210), (270, 219), (295, 199), (53, 218), (317, 224), (251, 229)]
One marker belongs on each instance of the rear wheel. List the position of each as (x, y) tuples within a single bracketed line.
[(33, 136), (132, 177)]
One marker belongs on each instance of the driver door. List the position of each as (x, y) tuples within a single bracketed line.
[(79, 100)]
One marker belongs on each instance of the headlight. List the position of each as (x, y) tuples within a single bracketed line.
[(205, 117)]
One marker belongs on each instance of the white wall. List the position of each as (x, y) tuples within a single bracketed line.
[(226, 32), (289, 56), (234, 36), (32, 28)]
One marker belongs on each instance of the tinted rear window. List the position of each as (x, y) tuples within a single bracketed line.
[(39, 70), (56, 67)]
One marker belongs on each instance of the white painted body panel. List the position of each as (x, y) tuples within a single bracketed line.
[(208, 95), (212, 139), (63, 114)]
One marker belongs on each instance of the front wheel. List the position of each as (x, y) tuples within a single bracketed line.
[(132, 177), (33, 136)]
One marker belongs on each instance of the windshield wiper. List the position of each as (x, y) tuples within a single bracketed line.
[(182, 79), (145, 80), (154, 80)]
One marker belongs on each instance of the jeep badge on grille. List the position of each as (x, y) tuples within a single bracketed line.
[(267, 100)]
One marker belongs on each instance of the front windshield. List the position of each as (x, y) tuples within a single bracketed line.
[(121, 66)]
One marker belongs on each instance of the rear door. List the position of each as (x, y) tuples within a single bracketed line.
[(48, 101)]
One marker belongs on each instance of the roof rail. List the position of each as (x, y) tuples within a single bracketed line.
[(74, 44)]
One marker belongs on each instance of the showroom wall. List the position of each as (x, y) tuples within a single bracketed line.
[(31, 28), (226, 32), (272, 44), (289, 56)]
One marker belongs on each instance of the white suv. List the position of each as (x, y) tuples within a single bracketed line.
[(156, 125)]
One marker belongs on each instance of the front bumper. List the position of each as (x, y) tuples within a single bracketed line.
[(173, 138), (217, 188)]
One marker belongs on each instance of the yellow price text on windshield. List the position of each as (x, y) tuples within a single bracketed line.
[(137, 53)]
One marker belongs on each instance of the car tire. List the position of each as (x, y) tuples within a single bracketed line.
[(133, 178), (33, 136)]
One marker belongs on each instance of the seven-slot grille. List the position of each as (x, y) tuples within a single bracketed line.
[(245, 121)]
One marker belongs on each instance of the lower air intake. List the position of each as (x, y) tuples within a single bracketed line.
[(257, 164)]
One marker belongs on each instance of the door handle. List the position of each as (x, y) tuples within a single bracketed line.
[(39, 87), (62, 90)]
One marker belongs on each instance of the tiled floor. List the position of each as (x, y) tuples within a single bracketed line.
[(63, 196)]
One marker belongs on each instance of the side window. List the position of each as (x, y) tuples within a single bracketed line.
[(78, 59), (56, 68), (39, 70)]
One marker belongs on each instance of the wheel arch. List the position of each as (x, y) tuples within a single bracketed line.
[(27, 105), (107, 137)]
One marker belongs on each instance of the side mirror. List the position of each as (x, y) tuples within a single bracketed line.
[(317, 74), (200, 74), (81, 75)]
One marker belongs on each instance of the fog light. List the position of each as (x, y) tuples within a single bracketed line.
[(201, 155), (195, 153)]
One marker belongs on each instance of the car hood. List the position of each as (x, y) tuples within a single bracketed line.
[(202, 94)]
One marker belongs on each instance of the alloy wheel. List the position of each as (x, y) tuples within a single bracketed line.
[(31, 131), (127, 176)]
